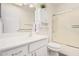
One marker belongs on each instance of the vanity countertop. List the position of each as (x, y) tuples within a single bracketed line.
[(8, 41)]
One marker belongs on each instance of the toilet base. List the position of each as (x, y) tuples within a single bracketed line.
[(52, 53)]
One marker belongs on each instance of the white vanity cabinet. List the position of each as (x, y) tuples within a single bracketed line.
[(18, 51)]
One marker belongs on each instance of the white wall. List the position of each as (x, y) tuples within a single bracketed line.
[(65, 6), (15, 17)]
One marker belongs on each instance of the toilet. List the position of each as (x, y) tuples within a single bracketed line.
[(53, 49)]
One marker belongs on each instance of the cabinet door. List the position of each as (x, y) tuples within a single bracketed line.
[(36, 45), (32, 53), (19, 51), (42, 51)]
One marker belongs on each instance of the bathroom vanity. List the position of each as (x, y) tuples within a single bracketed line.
[(23, 44)]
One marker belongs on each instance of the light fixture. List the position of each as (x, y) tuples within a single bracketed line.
[(19, 4), (31, 5)]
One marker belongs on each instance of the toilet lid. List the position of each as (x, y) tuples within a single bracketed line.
[(54, 45)]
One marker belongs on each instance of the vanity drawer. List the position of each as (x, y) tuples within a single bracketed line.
[(38, 44), (19, 51)]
